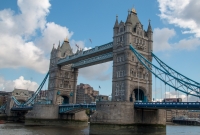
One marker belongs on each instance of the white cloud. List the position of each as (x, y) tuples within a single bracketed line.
[(15, 52), (20, 83), (80, 44), (161, 38), (19, 48), (97, 72), (182, 13), (52, 33), (162, 41)]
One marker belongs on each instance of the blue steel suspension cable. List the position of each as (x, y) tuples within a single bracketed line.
[(35, 94), (148, 65)]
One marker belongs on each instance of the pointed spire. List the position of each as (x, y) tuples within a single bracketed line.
[(58, 45), (53, 48), (116, 22), (128, 20), (149, 27), (133, 10)]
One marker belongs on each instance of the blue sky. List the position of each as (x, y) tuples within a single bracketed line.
[(29, 28)]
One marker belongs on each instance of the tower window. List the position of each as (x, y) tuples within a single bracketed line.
[(121, 29)]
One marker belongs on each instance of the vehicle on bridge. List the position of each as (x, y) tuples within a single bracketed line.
[(172, 100)]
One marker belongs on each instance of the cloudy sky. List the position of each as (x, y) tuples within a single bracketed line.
[(29, 28)]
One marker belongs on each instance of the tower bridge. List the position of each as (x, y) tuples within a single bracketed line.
[(131, 52)]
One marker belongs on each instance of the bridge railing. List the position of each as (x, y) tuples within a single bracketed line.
[(169, 105), (70, 107), (84, 53)]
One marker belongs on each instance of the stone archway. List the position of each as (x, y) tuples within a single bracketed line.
[(142, 95), (62, 99), (139, 93)]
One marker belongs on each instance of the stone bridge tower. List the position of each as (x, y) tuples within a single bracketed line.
[(62, 80), (129, 75)]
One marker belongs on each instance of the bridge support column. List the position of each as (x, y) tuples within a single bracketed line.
[(123, 118)]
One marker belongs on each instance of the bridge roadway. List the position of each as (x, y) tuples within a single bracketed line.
[(139, 105), (81, 56)]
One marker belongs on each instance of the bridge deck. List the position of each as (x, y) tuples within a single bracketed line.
[(98, 50), (168, 105)]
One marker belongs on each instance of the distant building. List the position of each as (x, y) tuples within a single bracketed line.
[(3, 97), (23, 95), (171, 113), (86, 94), (102, 98)]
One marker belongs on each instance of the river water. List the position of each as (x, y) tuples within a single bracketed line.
[(20, 129)]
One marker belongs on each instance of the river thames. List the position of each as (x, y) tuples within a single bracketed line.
[(20, 129)]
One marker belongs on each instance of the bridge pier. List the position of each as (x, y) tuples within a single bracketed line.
[(122, 117), (46, 115)]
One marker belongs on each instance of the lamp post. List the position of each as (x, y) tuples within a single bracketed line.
[(138, 82)]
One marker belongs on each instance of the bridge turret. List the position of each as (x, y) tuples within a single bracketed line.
[(58, 51), (128, 28), (62, 80), (116, 27), (150, 37), (126, 72)]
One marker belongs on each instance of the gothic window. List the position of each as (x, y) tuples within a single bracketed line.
[(140, 41), (134, 74), (117, 90), (132, 58), (121, 73), (121, 30), (122, 89), (61, 84), (137, 40), (122, 58), (66, 74), (121, 39), (140, 75), (134, 40), (65, 84), (140, 33), (60, 73)]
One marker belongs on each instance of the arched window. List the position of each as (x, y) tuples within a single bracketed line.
[(117, 89), (61, 84)]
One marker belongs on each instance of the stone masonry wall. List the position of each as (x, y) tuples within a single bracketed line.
[(43, 112), (113, 113), (145, 116)]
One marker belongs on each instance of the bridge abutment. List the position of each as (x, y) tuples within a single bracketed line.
[(122, 117), (46, 115)]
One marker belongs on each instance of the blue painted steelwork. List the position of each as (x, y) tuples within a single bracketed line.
[(31, 99), (163, 75), (93, 60), (87, 53), (21, 108), (145, 105), (188, 83), (69, 107), (3, 107), (168, 105)]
